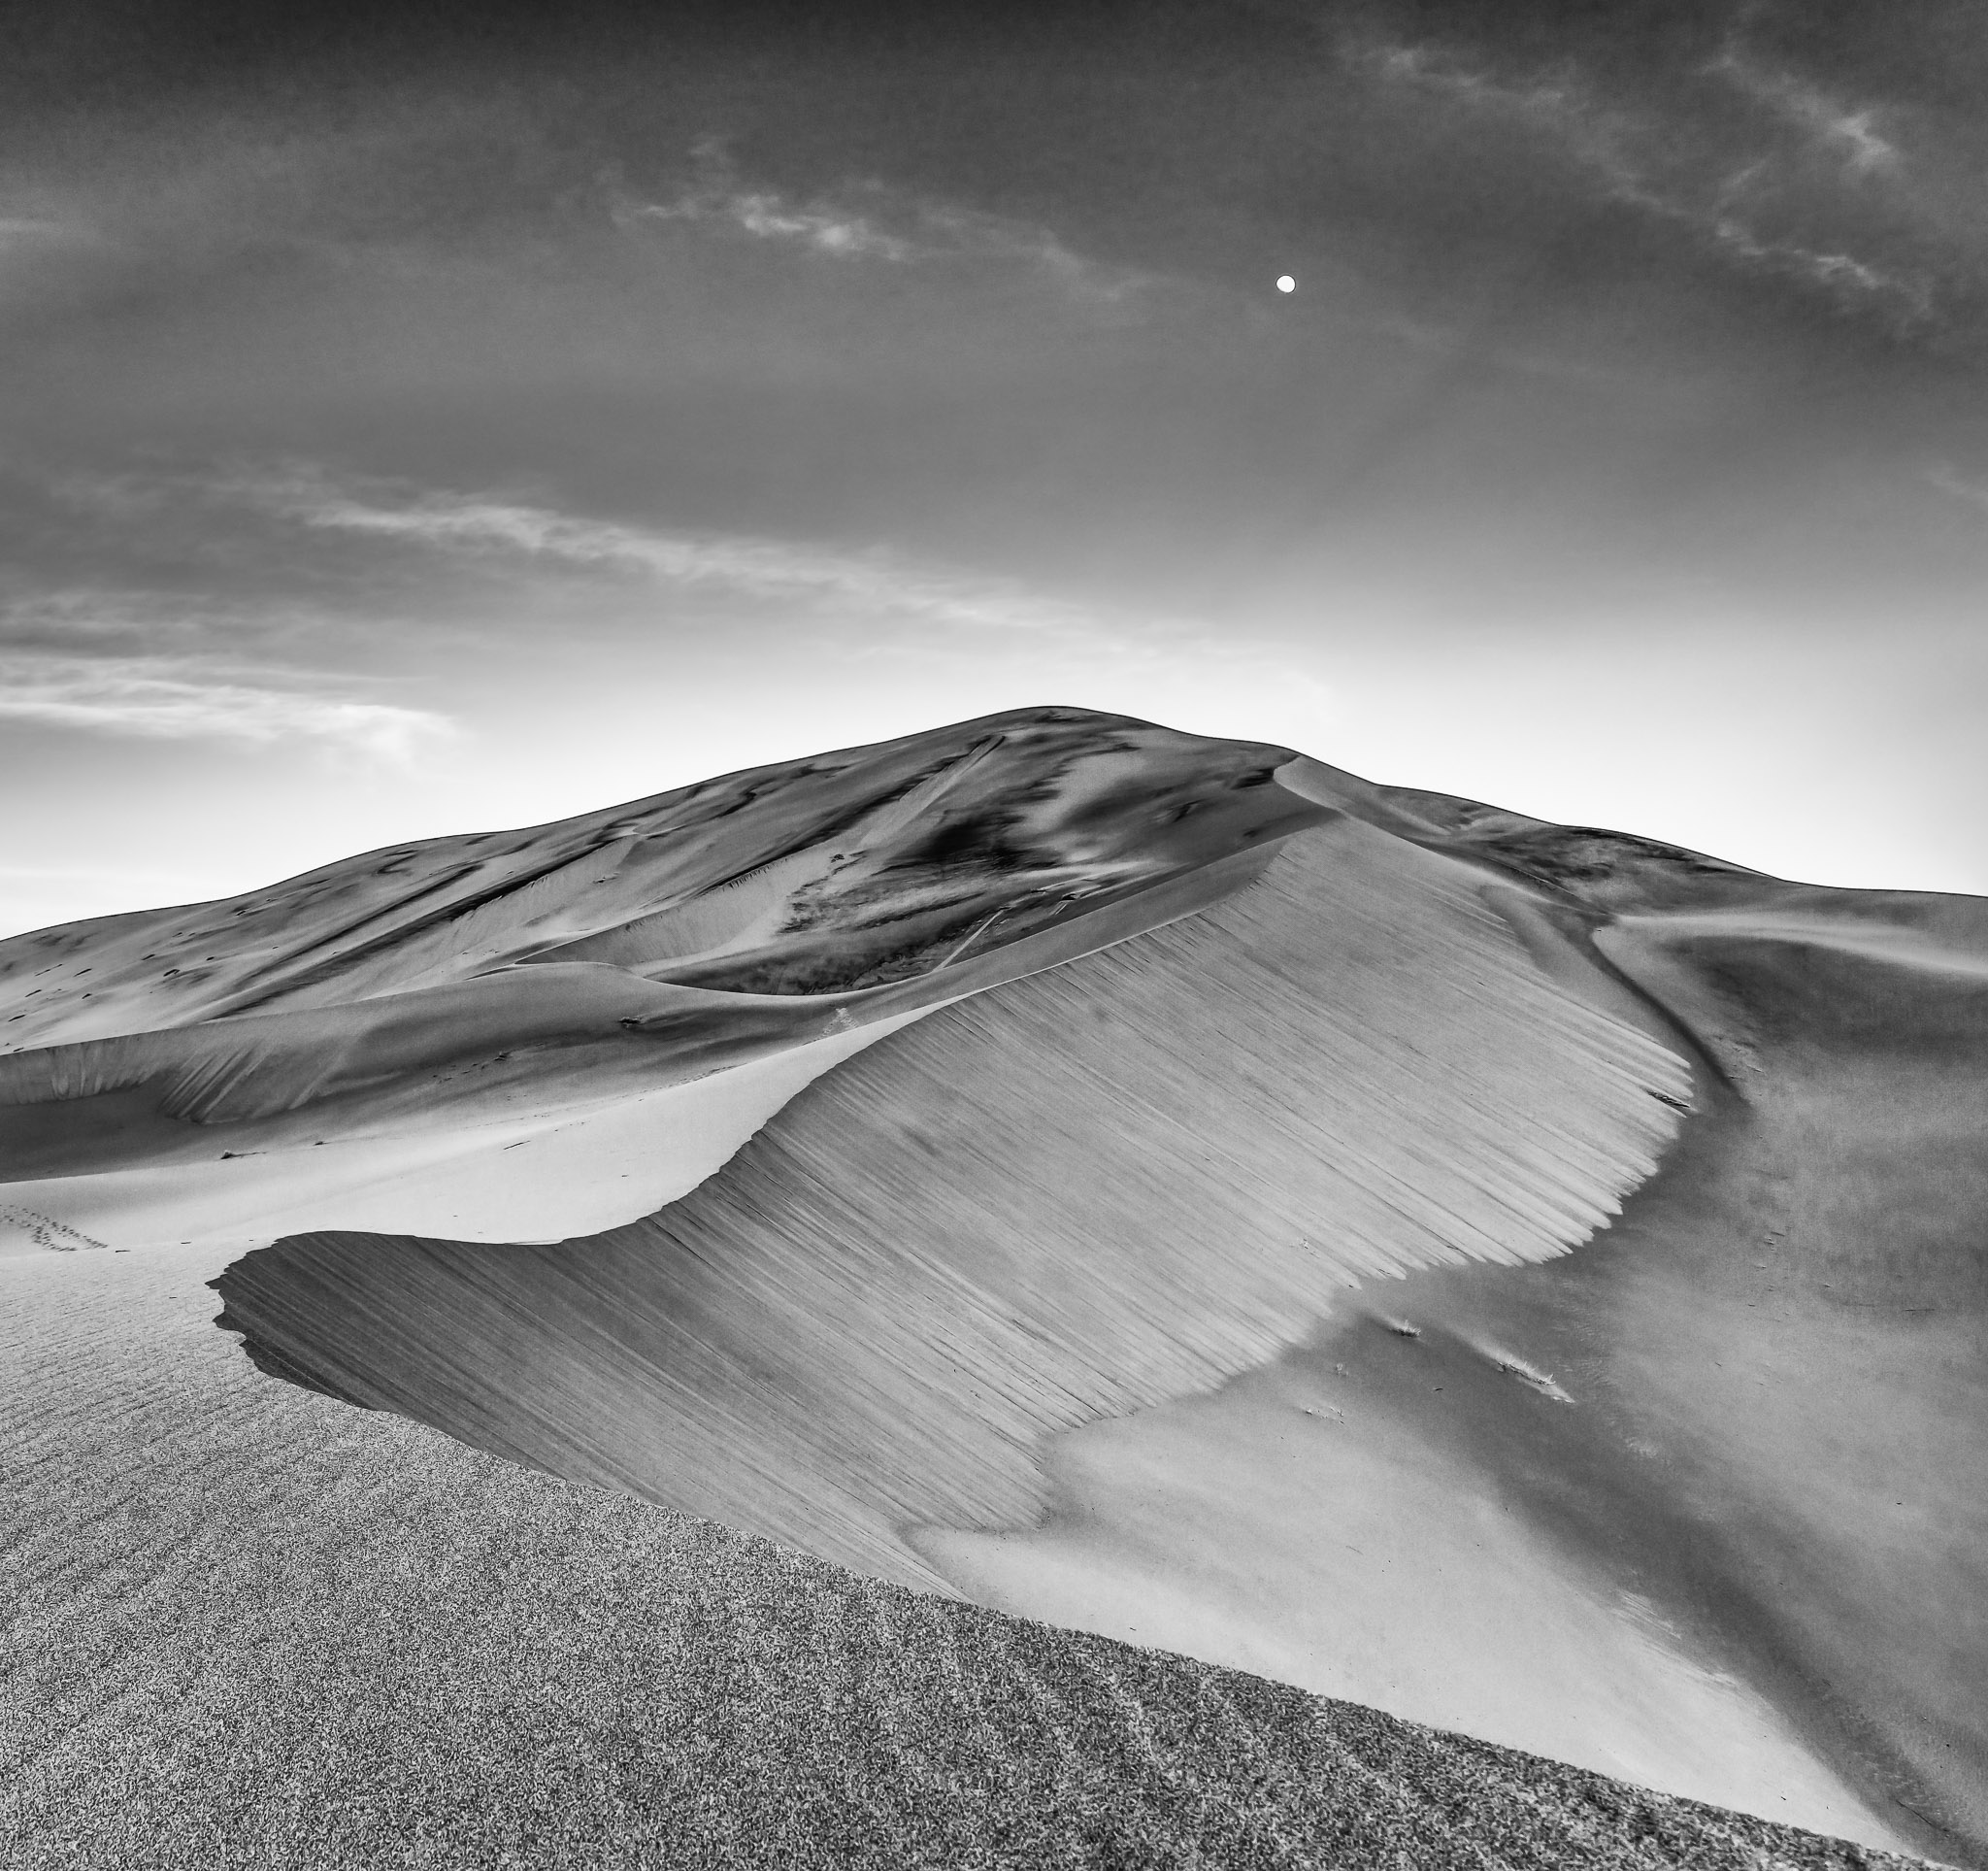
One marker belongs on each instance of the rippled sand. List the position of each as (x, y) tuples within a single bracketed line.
[(252, 1626)]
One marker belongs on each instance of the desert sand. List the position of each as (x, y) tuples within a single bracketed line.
[(1052, 1171)]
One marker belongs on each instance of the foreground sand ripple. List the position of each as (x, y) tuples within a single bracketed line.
[(248, 1626)]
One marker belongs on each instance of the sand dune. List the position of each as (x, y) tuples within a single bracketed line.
[(889, 857), (1348, 1069), (1523, 1278), (416, 1006)]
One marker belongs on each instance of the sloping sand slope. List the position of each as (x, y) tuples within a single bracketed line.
[(1754, 1413), (416, 1013), (251, 1627), (1188, 1228)]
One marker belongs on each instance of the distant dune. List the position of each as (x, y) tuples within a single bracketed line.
[(1525, 1278)]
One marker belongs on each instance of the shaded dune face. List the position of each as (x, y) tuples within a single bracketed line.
[(1070, 1196), (1798, 1322), (1752, 1415)]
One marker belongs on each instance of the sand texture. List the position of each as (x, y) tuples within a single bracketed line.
[(249, 1627), (1523, 1279)]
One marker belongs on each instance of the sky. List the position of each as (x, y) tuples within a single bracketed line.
[(418, 420)]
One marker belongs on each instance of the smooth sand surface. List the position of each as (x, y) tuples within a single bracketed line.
[(524, 1177), (1202, 1235), (1295, 1527)]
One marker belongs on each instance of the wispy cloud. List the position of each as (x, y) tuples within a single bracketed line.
[(836, 232), (1556, 103), (1970, 493), (159, 666), (1852, 281), (1847, 133), (965, 234), (1762, 210), (873, 584), (881, 604), (159, 700), (870, 221), (105, 620), (19, 229)]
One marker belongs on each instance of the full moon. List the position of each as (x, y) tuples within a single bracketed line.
[(1287, 284)]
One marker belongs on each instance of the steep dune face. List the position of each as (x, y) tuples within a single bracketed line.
[(1752, 1415), (1082, 1193), (1749, 1417), (1523, 1277)]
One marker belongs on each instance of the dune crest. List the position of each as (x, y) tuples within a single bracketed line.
[(842, 872), (417, 1014)]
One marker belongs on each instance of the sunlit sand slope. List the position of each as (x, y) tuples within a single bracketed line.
[(1067, 1198), (249, 1628)]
